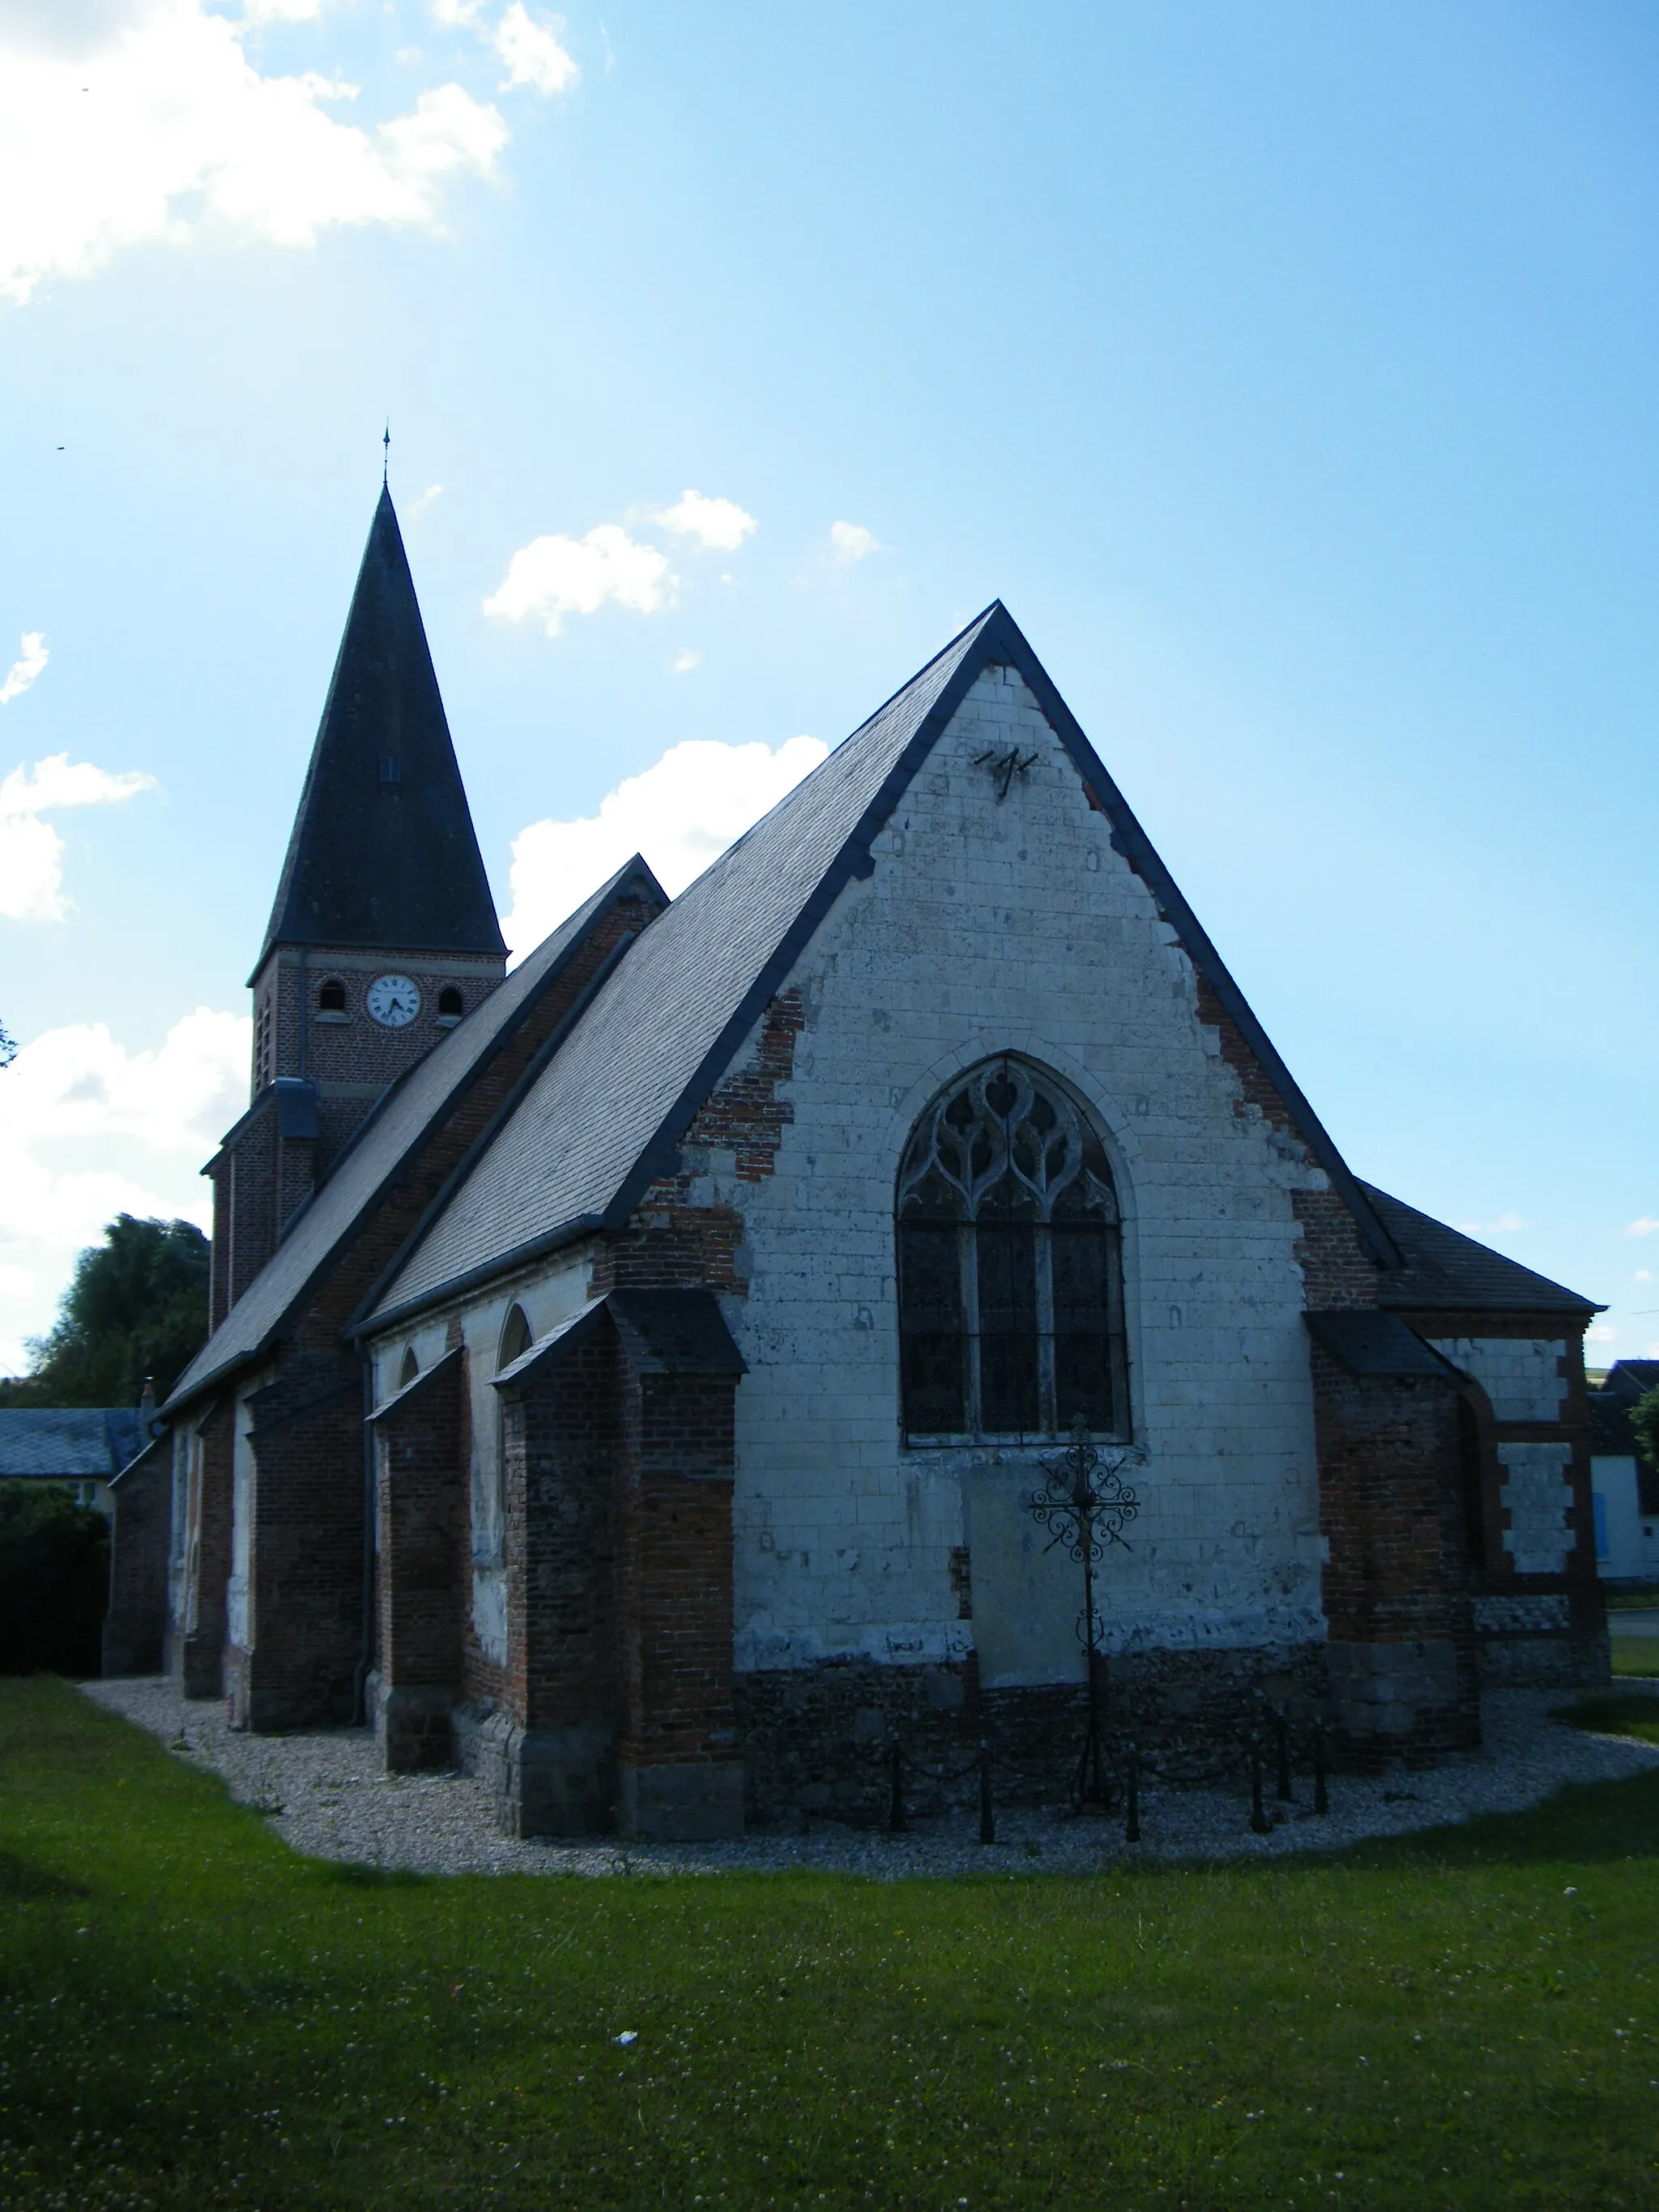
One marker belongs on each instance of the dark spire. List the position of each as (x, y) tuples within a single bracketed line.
[(383, 852)]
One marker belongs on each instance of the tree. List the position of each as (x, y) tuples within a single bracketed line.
[(54, 1580), (138, 1306), (8, 1047), (1644, 1427)]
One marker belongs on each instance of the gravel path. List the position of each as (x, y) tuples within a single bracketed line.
[(322, 1793)]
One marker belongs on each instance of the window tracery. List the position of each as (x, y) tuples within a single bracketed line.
[(1011, 1301)]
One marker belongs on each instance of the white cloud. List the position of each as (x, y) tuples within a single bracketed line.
[(33, 658), (533, 56), (31, 850), (135, 1127), (1601, 1331), (718, 525), (144, 120), (553, 577), (1643, 1275), (850, 542), (455, 11), (1645, 1225), (281, 11), (1504, 1224), (681, 813), (417, 507), (685, 661)]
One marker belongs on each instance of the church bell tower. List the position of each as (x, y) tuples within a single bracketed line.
[(383, 934)]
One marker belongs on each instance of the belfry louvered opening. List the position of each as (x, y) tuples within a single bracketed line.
[(1010, 1266)]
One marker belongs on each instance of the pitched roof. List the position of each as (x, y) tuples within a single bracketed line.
[(1367, 1342), (383, 852), (1631, 1379), (1446, 1270), (605, 1118), (68, 1443), (399, 1124)]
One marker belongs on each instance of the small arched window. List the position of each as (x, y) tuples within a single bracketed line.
[(450, 1008), (330, 999), (412, 1368), (516, 1339), (1010, 1273)]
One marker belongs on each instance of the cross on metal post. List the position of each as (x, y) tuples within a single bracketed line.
[(1086, 1507)]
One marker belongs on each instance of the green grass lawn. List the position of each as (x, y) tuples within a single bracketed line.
[(190, 2016), (1635, 1655)]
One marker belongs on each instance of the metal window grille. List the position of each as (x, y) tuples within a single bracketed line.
[(1009, 1270)]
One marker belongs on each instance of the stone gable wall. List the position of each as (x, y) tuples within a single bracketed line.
[(994, 926)]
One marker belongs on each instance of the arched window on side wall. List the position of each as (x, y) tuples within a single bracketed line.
[(1009, 1268), (412, 1368), (516, 1339)]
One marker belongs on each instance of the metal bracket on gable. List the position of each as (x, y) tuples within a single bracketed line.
[(1005, 767)]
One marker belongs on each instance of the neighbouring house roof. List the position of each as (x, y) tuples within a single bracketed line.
[(395, 1130), (383, 852), (67, 1443), (606, 1117), (1631, 1379), (1445, 1270)]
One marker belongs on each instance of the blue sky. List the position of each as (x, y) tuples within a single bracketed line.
[(1287, 369)]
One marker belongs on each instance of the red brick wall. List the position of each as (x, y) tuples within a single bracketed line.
[(676, 1571), (671, 1242), (421, 1470), (135, 1627), (306, 1573), (1335, 1267), (306, 1593), (1390, 1507), (561, 1442)]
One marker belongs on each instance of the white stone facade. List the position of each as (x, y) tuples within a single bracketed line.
[(991, 927), (1522, 1375), (1537, 1492)]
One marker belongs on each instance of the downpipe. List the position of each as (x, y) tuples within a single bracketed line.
[(366, 1656)]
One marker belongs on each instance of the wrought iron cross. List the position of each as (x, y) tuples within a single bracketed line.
[(1085, 1507)]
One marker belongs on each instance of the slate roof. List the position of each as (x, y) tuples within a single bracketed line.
[(1445, 1270), (391, 1134), (383, 852), (67, 1443), (1630, 1379), (604, 1119), (1366, 1342)]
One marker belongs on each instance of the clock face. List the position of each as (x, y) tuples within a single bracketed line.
[(393, 1001)]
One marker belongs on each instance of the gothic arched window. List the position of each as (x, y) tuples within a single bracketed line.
[(412, 1368), (1009, 1277)]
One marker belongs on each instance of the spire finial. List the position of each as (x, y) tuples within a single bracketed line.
[(385, 453)]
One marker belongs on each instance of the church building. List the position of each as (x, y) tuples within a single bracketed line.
[(630, 1375)]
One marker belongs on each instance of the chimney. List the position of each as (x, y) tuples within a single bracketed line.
[(146, 1412)]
